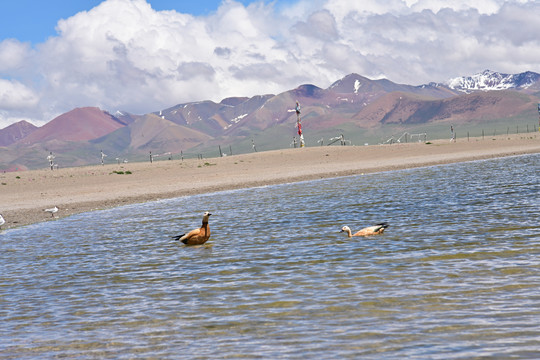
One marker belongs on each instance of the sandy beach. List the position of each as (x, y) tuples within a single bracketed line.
[(25, 195)]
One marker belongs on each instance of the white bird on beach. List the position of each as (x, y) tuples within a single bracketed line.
[(370, 230), (197, 236), (2, 221), (52, 210)]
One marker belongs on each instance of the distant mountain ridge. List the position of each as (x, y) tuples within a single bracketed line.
[(16, 132), (79, 124), (363, 109), (491, 80)]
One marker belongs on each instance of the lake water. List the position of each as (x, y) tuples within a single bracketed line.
[(455, 276)]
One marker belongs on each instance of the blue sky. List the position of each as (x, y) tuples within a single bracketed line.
[(35, 20), (132, 55)]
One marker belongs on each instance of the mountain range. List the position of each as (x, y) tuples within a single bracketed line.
[(363, 110)]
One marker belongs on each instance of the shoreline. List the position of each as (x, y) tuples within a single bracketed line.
[(24, 195)]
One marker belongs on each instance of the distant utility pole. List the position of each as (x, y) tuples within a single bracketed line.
[(51, 160), (102, 158), (538, 116), (299, 124)]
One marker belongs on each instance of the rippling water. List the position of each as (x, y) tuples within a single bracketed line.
[(455, 276)]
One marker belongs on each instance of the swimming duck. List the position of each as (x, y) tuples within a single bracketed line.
[(370, 230), (197, 236)]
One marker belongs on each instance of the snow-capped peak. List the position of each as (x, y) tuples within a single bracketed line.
[(491, 80)]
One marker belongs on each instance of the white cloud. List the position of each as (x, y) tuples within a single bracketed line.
[(320, 25), (12, 55), (482, 6), (123, 55), (14, 95), (16, 100)]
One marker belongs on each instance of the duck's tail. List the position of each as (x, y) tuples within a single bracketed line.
[(178, 237)]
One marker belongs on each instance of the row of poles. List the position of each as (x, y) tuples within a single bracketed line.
[(51, 157)]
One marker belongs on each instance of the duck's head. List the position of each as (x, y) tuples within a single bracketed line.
[(345, 229), (206, 215)]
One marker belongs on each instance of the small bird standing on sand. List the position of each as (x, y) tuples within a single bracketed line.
[(2, 221), (52, 210), (198, 236), (370, 230)]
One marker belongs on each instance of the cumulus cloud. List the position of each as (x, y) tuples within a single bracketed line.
[(320, 25), (12, 55), (16, 100), (124, 55), (14, 95), (190, 70), (222, 52)]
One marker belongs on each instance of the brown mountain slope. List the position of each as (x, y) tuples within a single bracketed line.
[(403, 108), (16, 132), (79, 124), (153, 133)]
